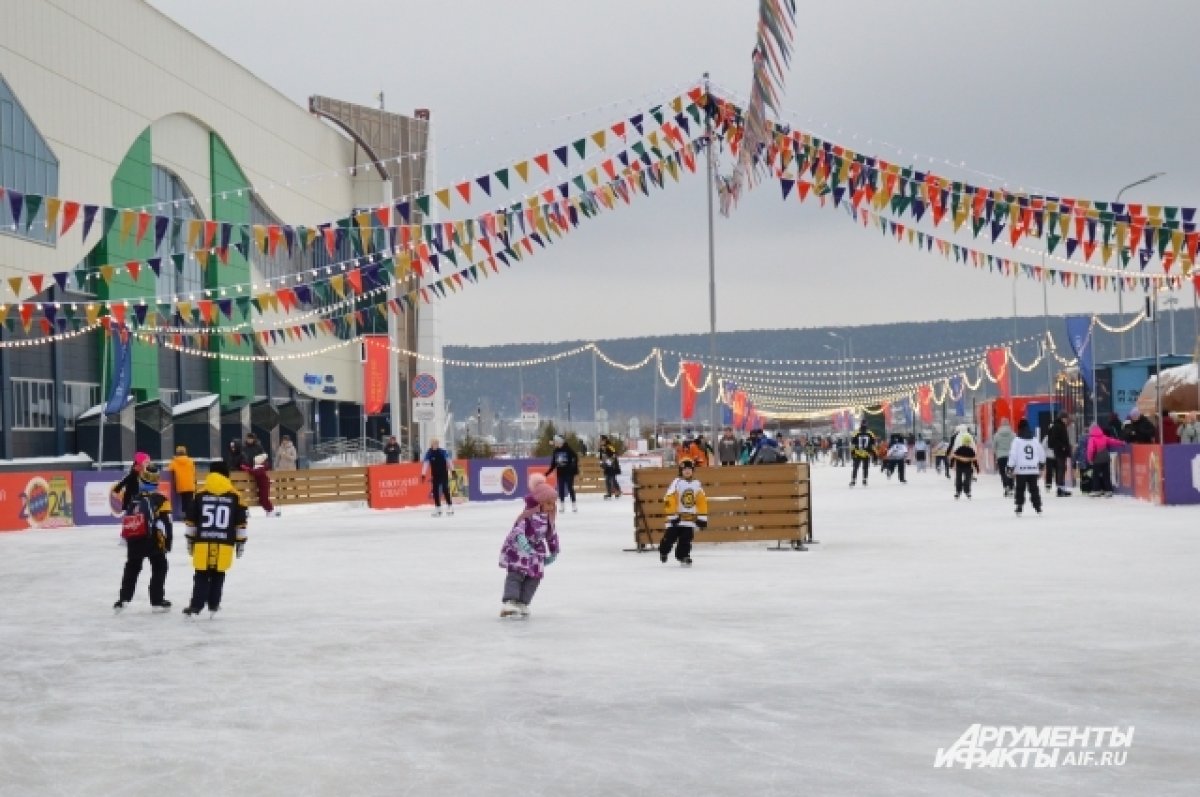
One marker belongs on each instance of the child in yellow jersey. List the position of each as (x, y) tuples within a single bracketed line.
[(216, 532), (687, 510)]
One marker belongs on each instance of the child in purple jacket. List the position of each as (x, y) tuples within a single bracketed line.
[(530, 546)]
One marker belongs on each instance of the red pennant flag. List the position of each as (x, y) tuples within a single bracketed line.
[(143, 225), (464, 190), (134, 268), (619, 129), (354, 277), (36, 281), (384, 214), (118, 312), (210, 231), (274, 233), (543, 160), (330, 240), (70, 213)]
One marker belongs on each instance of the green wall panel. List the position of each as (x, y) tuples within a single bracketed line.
[(231, 203), (132, 187)]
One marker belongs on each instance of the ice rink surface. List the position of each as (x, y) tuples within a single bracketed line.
[(361, 653)]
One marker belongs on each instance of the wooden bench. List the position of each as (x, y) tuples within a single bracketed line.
[(311, 486), (745, 503)]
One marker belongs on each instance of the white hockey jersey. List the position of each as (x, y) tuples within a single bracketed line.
[(1026, 456)]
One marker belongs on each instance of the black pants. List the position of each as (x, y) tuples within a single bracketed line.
[(1006, 481), (207, 586), (185, 501), (610, 484), (441, 488), (681, 538), (566, 486), (941, 463), (898, 467), (866, 467), (1028, 481), (1056, 472), (1102, 477), (963, 473), (136, 552)]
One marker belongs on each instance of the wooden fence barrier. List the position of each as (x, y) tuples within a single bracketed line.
[(312, 486), (590, 479), (745, 503)]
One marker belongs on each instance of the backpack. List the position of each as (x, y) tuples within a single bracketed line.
[(138, 519)]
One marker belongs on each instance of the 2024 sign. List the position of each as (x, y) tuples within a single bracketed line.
[(46, 504)]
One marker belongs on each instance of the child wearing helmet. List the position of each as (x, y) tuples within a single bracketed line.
[(687, 510), (148, 534)]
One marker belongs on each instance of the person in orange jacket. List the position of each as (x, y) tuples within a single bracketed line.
[(183, 469)]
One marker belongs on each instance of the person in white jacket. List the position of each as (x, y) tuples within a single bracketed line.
[(1026, 461), (1002, 441)]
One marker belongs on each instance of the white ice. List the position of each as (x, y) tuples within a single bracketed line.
[(361, 653)]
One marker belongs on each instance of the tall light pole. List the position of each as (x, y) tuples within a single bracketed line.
[(1171, 302), (847, 356), (712, 269), (1121, 282)]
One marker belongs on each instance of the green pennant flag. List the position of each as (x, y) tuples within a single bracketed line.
[(1171, 214), (423, 204), (639, 148), (579, 182), (977, 225), (110, 218), (243, 304), (693, 111), (257, 305), (1052, 241), (502, 176), (1126, 256), (178, 259), (580, 147), (1164, 240), (80, 278), (449, 255), (1106, 223), (33, 202), (302, 237), (657, 113)]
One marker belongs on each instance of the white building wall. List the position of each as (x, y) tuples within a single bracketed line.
[(94, 75)]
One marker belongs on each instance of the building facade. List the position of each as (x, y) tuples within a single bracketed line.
[(113, 107)]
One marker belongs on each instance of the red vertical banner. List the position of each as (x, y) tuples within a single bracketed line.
[(924, 401), (375, 372), (887, 414), (689, 382), (997, 363)]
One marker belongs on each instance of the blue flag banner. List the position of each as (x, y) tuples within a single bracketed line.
[(118, 393), (1079, 333), (960, 396)]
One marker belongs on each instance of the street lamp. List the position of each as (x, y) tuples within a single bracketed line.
[(1121, 284), (847, 356), (1171, 301)]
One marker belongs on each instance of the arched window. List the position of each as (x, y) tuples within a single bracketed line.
[(174, 200), (26, 165)]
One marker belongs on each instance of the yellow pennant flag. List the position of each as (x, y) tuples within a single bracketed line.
[(260, 238), (92, 311), (106, 272), (185, 310), (1106, 252), (338, 284), (468, 250), (653, 138), (403, 264), (202, 259), (126, 224), (15, 284), (460, 232), (677, 104), (599, 138), (593, 175), (363, 220), (541, 225), (1176, 241), (522, 170), (443, 196), (52, 206), (193, 233)]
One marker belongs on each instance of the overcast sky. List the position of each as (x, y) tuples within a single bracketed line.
[(1067, 97)]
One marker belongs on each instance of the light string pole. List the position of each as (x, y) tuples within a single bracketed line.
[(1121, 282), (712, 265)]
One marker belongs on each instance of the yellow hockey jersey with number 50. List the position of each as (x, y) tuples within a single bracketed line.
[(686, 503), (216, 525)]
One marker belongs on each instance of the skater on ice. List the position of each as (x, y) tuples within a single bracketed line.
[(565, 463), (530, 547), (965, 462), (1025, 463), (148, 534), (687, 510), (862, 451), (216, 533), (1099, 456), (437, 464)]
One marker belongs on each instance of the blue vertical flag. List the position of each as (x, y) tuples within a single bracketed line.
[(1079, 332), (118, 393), (960, 396)]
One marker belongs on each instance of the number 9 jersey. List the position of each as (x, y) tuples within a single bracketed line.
[(216, 524)]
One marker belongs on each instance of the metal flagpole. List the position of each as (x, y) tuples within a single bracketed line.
[(712, 269), (103, 399)]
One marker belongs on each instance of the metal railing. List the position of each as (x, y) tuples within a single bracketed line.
[(346, 452)]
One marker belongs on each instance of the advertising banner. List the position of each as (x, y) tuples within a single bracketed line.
[(38, 499), (397, 486), (1181, 469), (375, 372), (1147, 473), (503, 479), (118, 393), (93, 503)]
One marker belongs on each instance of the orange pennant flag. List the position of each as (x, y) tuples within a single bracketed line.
[(143, 224), (464, 190)]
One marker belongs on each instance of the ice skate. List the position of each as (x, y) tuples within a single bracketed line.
[(190, 612), (437, 512), (685, 561), (1061, 493), (510, 609), (523, 609), (160, 607), (1018, 511), (118, 606), (852, 483), (449, 511)]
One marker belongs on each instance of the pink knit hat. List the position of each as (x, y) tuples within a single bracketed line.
[(140, 458), (544, 492)]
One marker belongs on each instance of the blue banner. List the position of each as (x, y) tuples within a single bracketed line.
[(960, 396), (122, 377), (1079, 333)]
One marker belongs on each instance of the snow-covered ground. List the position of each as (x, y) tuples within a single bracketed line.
[(360, 653)]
